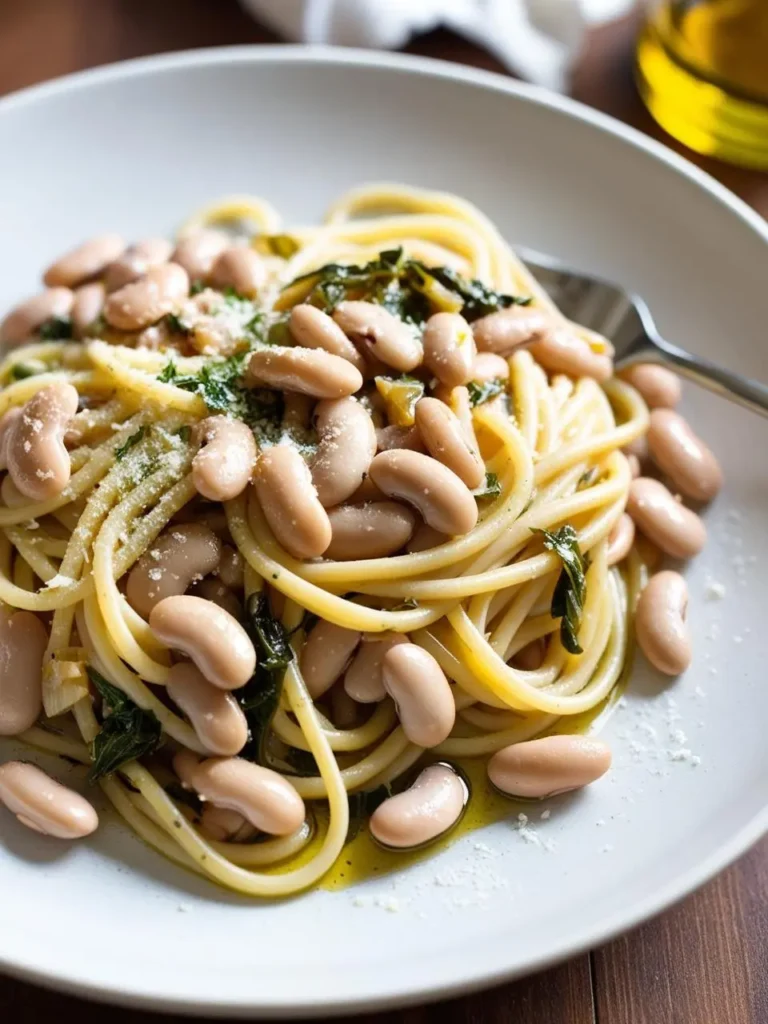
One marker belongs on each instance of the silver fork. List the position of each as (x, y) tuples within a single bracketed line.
[(625, 319)]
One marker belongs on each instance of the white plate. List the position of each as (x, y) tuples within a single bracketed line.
[(136, 147)]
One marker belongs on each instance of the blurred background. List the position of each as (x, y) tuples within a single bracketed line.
[(701, 66)]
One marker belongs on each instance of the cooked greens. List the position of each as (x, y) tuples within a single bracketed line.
[(571, 587), (260, 697), (58, 328), (484, 391), (406, 287), (220, 385), (127, 732), (490, 488), (122, 450)]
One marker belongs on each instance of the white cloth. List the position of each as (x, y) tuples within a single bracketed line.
[(537, 39)]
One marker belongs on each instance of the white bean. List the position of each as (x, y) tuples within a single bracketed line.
[(87, 307), (659, 387), (25, 319), (264, 798), (144, 302), (364, 681), (561, 351), (444, 502), (198, 251), (660, 623), (620, 540), (372, 530), (505, 330), (38, 462), (346, 447), (308, 371), (211, 637), (231, 568), (326, 653), (548, 766), (85, 261), (225, 826), (345, 712), (290, 504), (43, 804), (449, 348), (212, 589), (376, 332), (423, 812), (313, 328), (241, 268), (679, 532), (136, 261), (23, 640), (488, 366), (215, 715), (686, 460), (391, 437), (445, 440), (425, 538), (180, 556), (222, 468), (7, 420), (419, 688)]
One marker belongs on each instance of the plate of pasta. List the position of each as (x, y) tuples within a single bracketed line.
[(365, 636)]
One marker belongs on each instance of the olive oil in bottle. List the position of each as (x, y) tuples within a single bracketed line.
[(702, 68)]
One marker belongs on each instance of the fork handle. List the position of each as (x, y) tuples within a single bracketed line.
[(744, 390)]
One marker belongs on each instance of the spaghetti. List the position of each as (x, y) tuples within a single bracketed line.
[(481, 603)]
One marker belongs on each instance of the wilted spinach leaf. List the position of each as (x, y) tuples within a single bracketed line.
[(571, 587), (484, 391), (127, 732), (58, 328), (406, 287), (491, 487), (260, 697)]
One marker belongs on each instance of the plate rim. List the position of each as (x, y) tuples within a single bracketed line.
[(610, 925)]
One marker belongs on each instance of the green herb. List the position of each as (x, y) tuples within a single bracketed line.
[(215, 383), (406, 287), (196, 287), (309, 621), (406, 605), (484, 391), (478, 299), (127, 732), (587, 479), (58, 328), (401, 395), (491, 487), (220, 384), (253, 319), (362, 805), (300, 762), (184, 433), (184, 796), (176, 325), (122, 450), (260, 697), (279, 245), (571, 587), (279, 334), (97, 328), (20, 371)]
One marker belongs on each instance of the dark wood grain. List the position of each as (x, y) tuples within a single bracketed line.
[(704, 962), (560, 996)]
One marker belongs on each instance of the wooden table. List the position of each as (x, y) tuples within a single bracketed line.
[(705, 961)]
